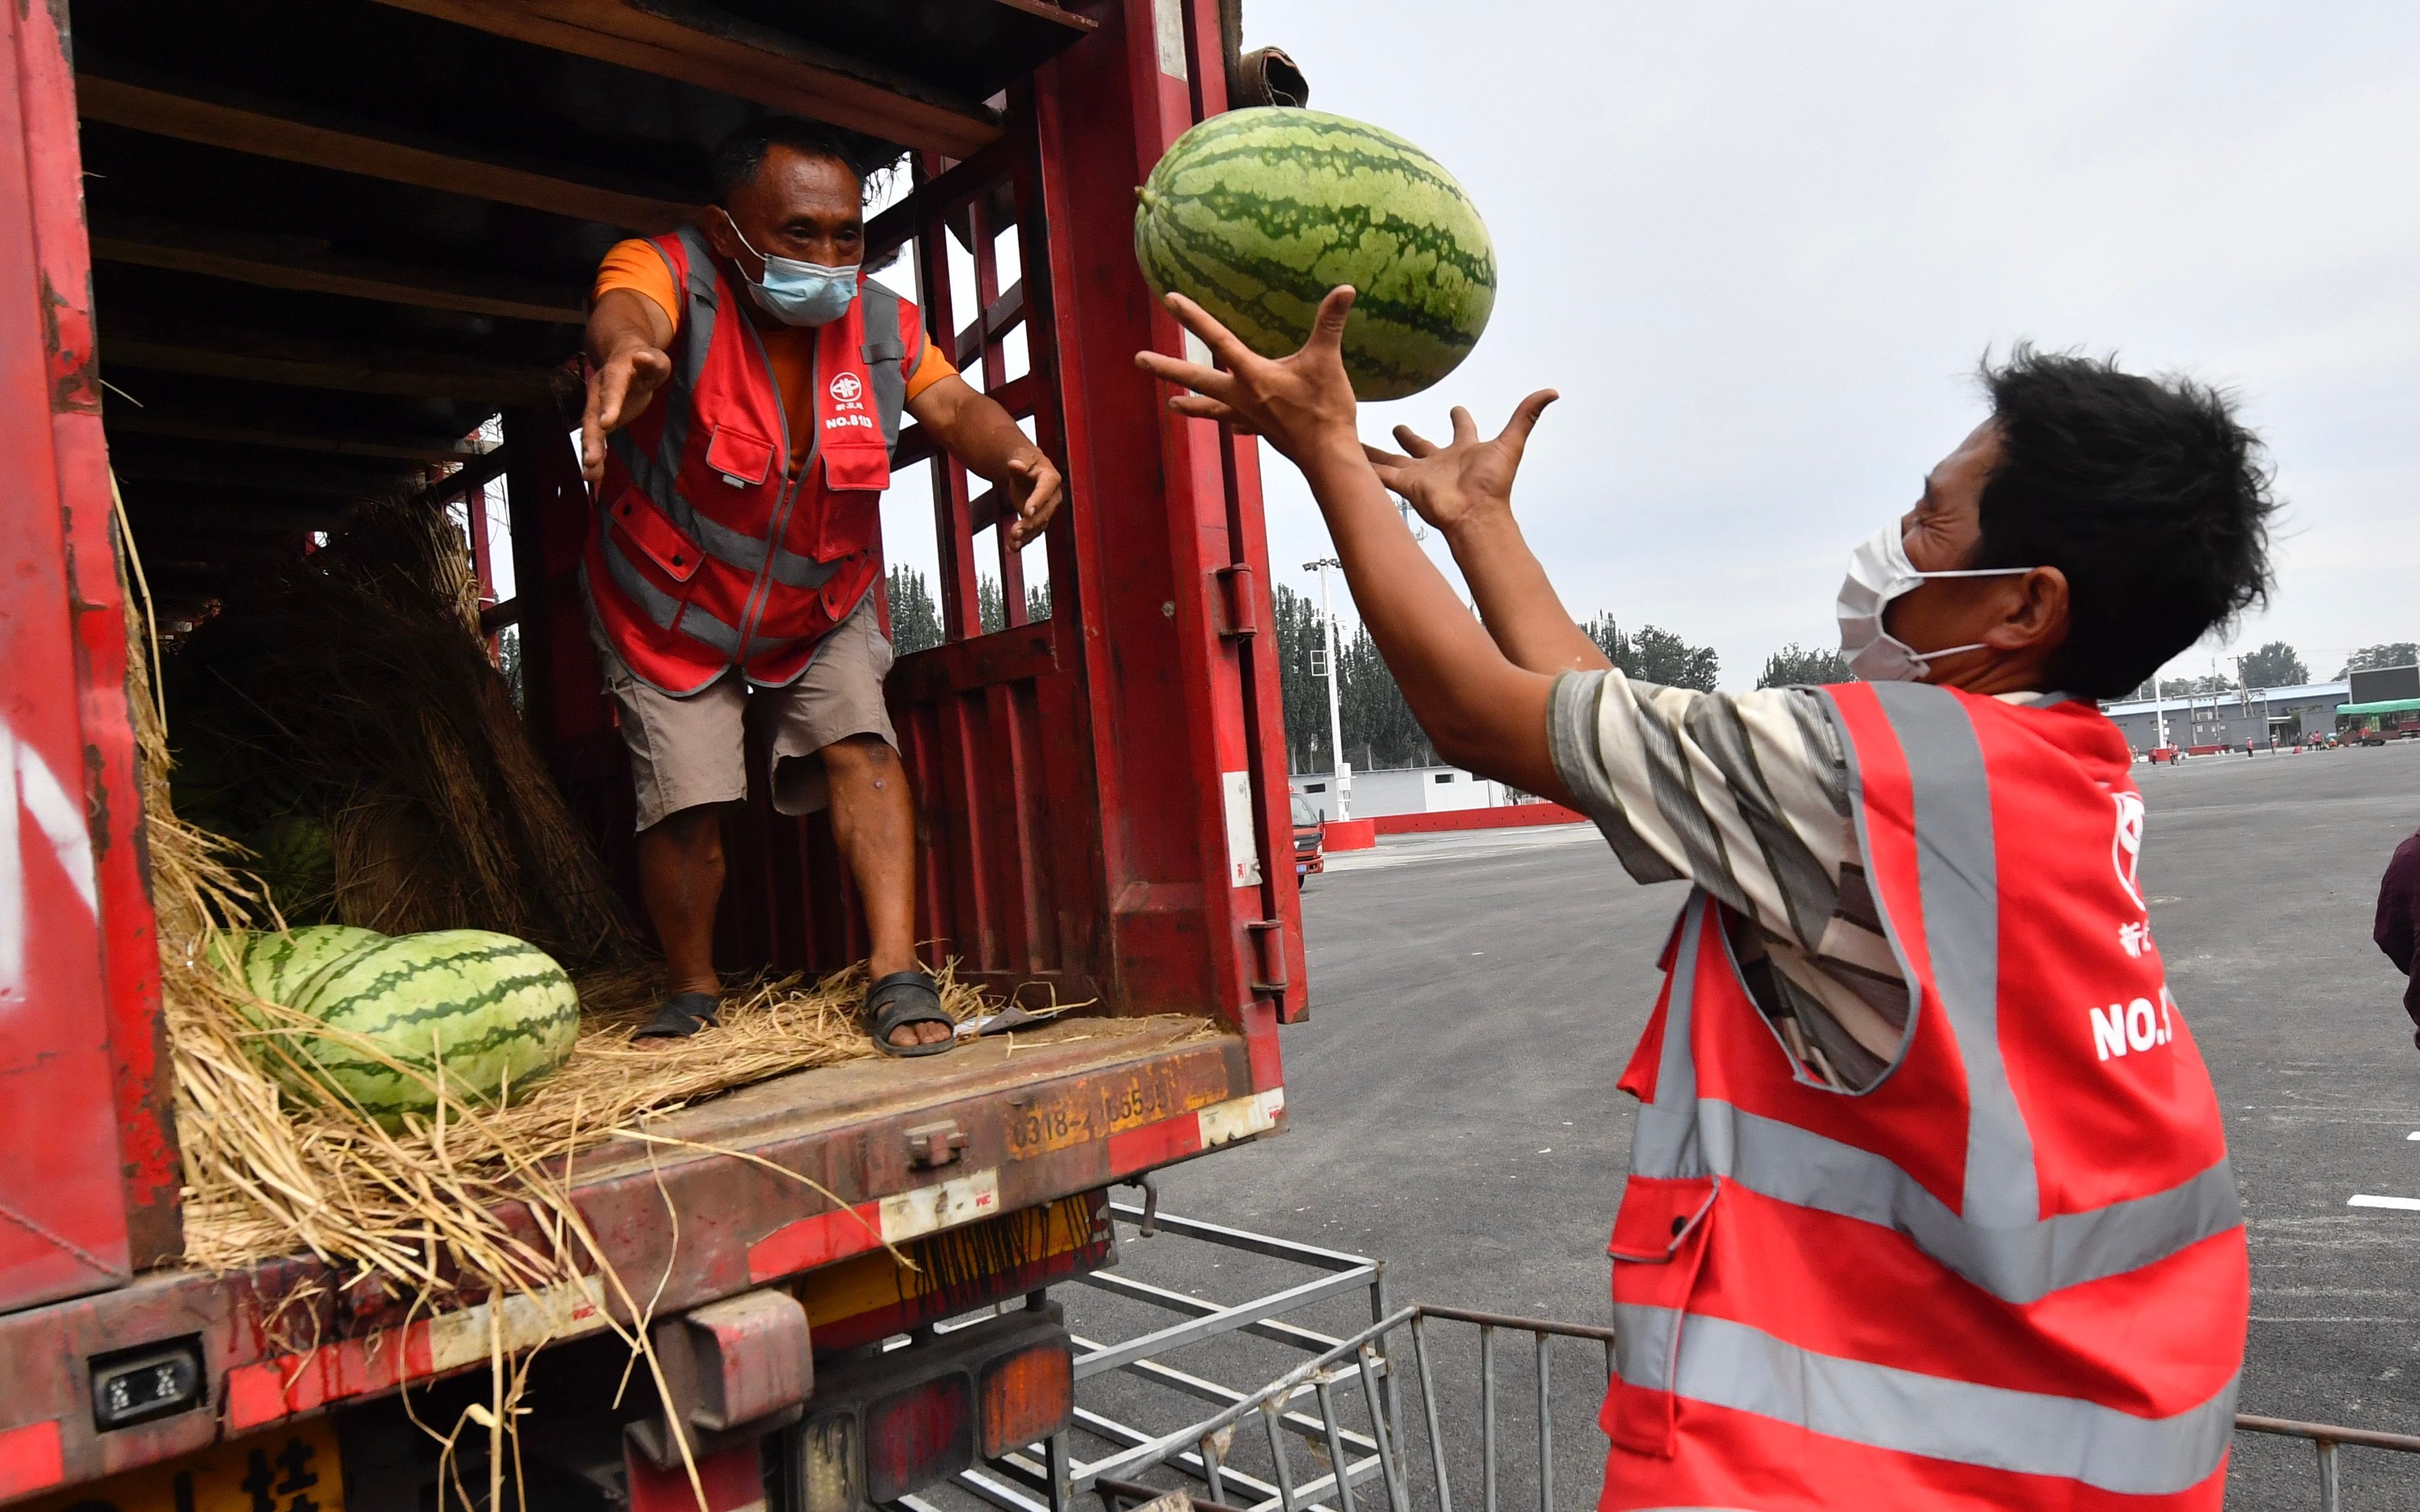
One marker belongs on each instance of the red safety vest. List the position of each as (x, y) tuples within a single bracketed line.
[(711, 550), (2012, 1273)]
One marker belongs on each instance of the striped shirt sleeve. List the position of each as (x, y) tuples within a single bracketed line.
[(1746, 795)]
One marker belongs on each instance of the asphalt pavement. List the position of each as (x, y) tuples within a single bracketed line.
[(1451, 1106)]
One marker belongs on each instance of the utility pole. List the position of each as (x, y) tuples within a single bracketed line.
[(1343, 778), (2159, 711)]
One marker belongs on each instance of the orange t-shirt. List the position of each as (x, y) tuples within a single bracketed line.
[(636, 265)]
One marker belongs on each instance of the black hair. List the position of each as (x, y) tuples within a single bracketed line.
[(2149, 494), (739, 155)]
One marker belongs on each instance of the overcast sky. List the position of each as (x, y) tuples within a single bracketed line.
[(1758, 249)]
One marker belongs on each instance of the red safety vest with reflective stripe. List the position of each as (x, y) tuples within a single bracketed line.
[(2009, 1274), (711, 550)]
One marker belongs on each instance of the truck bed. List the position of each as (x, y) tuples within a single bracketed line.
[(910, 1147)]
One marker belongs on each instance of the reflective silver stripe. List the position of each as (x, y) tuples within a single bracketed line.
[(698, 321), (734, 548), (793, 571), (1665, 1142), (700, 626), (659, 605), (1957, 876), (2018, 1263), (645, 469), (886, 357), (1729, 1364), (662, 607)]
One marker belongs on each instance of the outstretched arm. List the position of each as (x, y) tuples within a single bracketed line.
[(1464, 489), (1480, 710), (628, 334)]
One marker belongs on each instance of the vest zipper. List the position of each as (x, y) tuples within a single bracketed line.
[(760, 589)]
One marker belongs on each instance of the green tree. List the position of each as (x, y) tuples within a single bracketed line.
[(1379, 729), (2172, 687), (1795, 666), (2389, 654), (915, 618), (991, 604), (1655, 655), (1303, 693), (2274, 666)]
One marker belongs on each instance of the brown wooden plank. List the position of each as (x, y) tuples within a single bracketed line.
[(247, 128), (283, 263), (1049, 11), (302, 476), (127, 421), (702, 45), (267, 359)]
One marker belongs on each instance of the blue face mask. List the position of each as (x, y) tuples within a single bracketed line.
[(800, 294)]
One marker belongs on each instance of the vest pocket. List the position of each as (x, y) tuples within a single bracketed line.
[(1658, 1247), (847, 469), (847, 512), (742, 460), (640, 524)]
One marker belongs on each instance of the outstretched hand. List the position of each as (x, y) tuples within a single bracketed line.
[(618, 389), (1299, 403), (1451, 485)]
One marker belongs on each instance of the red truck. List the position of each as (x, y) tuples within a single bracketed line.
[(327, 234)]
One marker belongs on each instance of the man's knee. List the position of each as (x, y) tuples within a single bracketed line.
[(697, 827), (868, 757)]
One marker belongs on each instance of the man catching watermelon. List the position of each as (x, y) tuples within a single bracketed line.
[(1929, 1202), (745, 387)]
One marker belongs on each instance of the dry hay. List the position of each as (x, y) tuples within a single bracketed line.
[(351, 687), (338, 1199)]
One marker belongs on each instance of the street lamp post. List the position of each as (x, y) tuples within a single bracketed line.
[(1335, 707)]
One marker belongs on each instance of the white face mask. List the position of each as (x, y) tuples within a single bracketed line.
[(1880, 571)]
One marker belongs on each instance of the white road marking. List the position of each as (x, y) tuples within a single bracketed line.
[(2408, 1205)]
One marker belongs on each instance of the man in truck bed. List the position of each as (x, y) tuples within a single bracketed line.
[(735, 542), (1930, 1203)]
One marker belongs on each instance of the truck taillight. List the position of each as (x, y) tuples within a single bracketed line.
[(886, 1424), (827, 1460), (917, 1437), (1027, 1396)]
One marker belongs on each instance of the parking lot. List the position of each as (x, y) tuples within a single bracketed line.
[(1453, 1109)]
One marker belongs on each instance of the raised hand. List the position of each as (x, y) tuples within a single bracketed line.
[(1451, 485), (1299, 403)]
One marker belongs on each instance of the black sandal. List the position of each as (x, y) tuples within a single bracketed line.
[(899, 1000), (682, 1015)]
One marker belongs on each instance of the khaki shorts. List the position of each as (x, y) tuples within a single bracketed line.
[(685, 752)]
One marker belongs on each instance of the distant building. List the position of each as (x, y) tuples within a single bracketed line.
[(2203, 719), (1402, 791)]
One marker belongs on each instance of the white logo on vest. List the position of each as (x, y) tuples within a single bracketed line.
[(2126, 849), (846, 389)]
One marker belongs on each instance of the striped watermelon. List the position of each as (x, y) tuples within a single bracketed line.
[(1256, 215), (498, 1009), (280, 967)]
